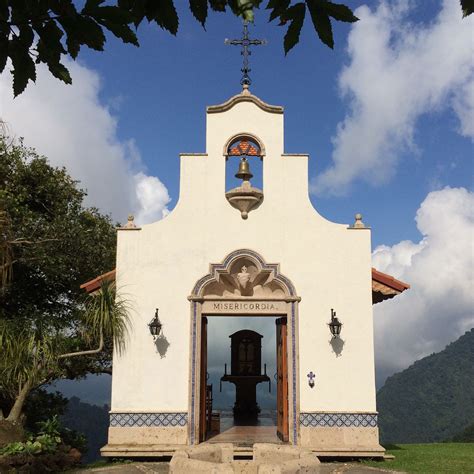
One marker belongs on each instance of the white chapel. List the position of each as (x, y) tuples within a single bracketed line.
[(253, 252)]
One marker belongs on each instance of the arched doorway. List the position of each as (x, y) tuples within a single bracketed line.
[(245, 285)]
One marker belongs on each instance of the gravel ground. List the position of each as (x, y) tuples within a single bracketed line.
[(163, 468)]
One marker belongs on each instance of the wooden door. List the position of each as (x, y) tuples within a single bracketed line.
[(203, 378), (282, 379)]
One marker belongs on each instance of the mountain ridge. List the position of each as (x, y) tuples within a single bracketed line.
[(433, 399)]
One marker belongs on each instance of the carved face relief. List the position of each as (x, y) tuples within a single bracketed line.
[(243, 277)]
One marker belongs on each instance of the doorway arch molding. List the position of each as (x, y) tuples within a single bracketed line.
[(283, 293), (218, 269)]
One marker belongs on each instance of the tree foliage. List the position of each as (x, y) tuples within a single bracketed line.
[(44, 31), (465, 436), (50, 244), (467, 7), (433, 399)]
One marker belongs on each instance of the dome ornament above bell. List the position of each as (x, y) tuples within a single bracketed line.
[(243, 172)]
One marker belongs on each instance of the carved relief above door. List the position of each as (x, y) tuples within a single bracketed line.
[(244, 276)]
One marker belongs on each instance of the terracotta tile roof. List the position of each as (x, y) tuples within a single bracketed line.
[(384, 286), (93, 285)]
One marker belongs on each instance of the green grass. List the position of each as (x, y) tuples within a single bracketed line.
[(435, 458)]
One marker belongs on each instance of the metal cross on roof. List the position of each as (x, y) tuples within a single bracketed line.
[(245, 42)]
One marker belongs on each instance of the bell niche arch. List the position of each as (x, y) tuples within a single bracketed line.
[(232, 148), (248, 149), (244, 284)]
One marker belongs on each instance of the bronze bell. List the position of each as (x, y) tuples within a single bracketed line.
[(244, 170)]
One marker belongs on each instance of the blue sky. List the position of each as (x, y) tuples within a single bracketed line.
[(160, 92), (387, 118)]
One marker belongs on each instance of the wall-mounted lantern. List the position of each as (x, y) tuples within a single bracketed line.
[(155, 325), (335, 325), (311, 376)]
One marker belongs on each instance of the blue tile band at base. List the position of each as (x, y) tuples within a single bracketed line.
[(338, 420), (148, 419)]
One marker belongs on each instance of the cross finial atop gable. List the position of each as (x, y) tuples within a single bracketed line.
[(245, 42)]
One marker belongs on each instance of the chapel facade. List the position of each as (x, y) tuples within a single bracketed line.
[(248, 252)]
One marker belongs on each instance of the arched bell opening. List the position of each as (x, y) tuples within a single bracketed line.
[(244, 173)]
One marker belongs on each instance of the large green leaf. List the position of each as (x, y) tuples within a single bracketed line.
[(90, 33), (62, 7), (199, 10), (467, 7), (121, 31), (49, 46), (136, 9), (60, 72), (3, 53), (163, 13), (92, 4), (295, 15), (113, 14), (26, 35), (218, 5), (338, 11), (73, 43), (24, 67), (278, 8), (4, 11), (321, 21)]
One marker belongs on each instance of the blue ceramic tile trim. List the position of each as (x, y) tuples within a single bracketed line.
[(338, 420), (148, 419)]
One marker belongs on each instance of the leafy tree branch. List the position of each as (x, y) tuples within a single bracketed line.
[(49, 245), (46, 31), (32, 357)]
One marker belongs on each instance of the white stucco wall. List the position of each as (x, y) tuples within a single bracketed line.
[(328, 264)]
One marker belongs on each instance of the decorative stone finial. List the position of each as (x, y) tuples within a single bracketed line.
[(130, 223), (245, 90), (358, 224)]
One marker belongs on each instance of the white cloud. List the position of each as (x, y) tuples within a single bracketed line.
[(71, 126), (153, 198), (398, 72), (439, 306)]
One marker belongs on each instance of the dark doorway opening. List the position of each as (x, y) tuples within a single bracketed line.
[(244, 388)]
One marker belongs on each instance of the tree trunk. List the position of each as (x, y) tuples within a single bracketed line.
[(82, 353), (17, 409), (10, 432)]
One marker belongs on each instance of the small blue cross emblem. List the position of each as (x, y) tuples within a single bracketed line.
[(311, 376)]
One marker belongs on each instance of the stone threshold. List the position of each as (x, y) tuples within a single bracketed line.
[(164, 450)]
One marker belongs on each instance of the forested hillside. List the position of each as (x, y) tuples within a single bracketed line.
[(90, 420), (432, 400)]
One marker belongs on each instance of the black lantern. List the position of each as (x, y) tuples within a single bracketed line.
[(335, 325), (155, 325)]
